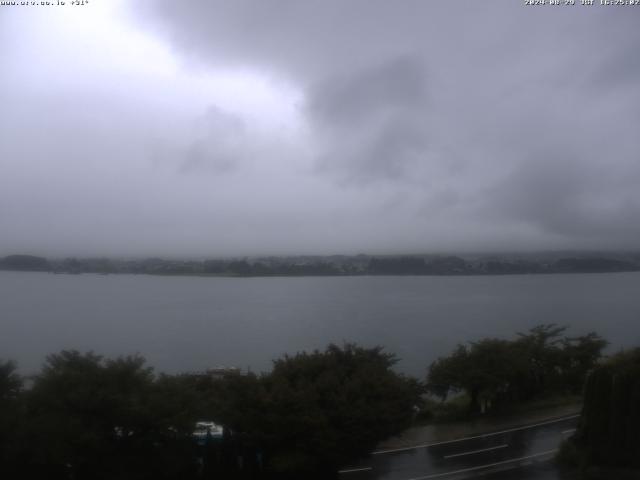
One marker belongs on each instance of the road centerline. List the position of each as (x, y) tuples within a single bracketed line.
[(354, 470), (471, 452), (482, 467), (474, 437)]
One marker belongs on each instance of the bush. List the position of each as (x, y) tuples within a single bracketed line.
[(609, 429)]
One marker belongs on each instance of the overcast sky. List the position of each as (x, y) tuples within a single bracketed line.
[(213, 128)]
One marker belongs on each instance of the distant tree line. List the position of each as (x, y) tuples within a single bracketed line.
[(328, 265), (87, 417)]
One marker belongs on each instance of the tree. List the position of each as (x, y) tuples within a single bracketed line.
[(325, 408), (609, 429), (579, 356), (10, 416), (397, 266), (239, 267), (25, 262), (494, 372), (541, 346), (96, 418), (486, 371), (10, 383), (446, 374)]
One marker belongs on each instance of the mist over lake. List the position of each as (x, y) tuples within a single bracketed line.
[(194, 323)]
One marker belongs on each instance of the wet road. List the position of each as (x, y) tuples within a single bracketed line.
[(522, 452)]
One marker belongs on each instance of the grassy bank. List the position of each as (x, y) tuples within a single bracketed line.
[(457, 409)]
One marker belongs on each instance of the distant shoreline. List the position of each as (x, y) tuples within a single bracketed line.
[(334, 266)]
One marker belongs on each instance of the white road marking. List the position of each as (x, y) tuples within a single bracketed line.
[(353, 470), (481, 467), (564, 432), (476, 451), (485, 435)]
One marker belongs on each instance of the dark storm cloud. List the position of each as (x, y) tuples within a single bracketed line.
[(572, 199), (372, 121), (393, 87), (369, 153)]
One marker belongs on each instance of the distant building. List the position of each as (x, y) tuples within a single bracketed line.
[(216, 373)]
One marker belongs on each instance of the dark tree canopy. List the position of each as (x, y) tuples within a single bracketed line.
[(10, 411), (609, 429), (89, 417), (336, 404), (494, 372), (25, 262)]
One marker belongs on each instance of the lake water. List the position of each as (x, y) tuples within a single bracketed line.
[(193, 323)]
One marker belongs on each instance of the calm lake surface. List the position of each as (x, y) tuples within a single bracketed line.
[(193, 323)]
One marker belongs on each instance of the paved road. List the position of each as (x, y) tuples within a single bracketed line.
[(515, 453)]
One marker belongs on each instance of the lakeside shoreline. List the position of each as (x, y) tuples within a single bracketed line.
[(334, 266)]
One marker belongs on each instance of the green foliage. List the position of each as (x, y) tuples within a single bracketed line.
[(495, 373), (579, 356), (240, 403), (454, 409), (10, 382), (10, 412), (486, 371), (95, 418), (327, 407), (87, 417), (317, 410), (609, 429)]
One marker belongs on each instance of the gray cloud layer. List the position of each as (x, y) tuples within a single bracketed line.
[(420, 126)]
